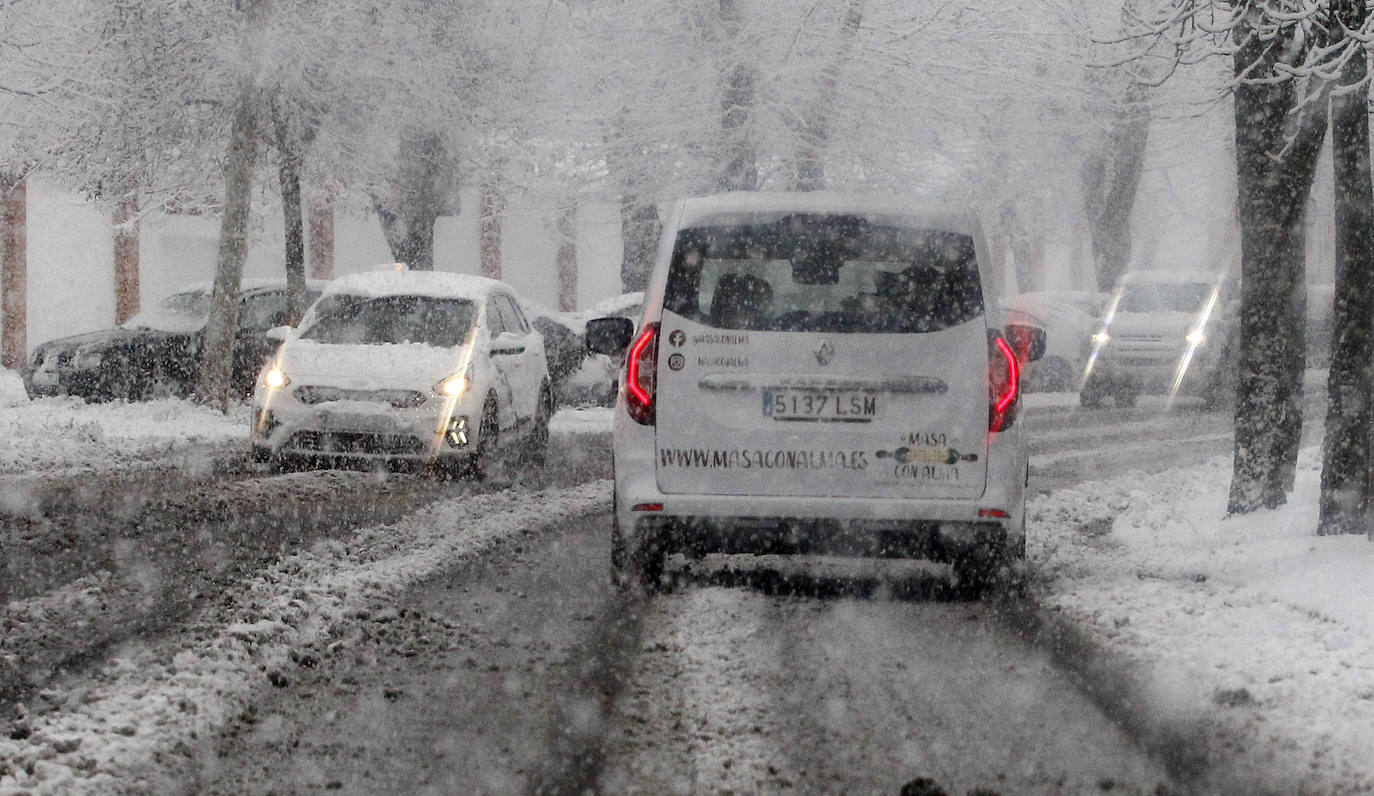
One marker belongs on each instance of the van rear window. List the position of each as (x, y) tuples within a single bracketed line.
[(823, 273)]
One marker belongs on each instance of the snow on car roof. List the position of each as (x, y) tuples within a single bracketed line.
[(1167, 277), (416, 283), (699, 210), (249, 283)]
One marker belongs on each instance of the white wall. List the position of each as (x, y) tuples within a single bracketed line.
[(71, 259)]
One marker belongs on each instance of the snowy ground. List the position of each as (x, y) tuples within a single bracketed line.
[(1251, 625)]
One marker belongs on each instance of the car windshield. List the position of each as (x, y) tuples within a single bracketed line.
[(1164, 297), (179, 312), (372, 320), (826, 274)]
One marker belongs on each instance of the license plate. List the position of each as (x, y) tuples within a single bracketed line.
[(820, 406)]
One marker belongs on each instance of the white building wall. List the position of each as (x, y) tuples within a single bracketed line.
[(71, 259)]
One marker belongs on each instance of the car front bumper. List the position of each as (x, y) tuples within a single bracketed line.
[(358, 430)]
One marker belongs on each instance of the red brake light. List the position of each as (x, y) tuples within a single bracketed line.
[(1004, 385), (640, 376)]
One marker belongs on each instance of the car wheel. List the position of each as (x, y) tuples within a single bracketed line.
[(536, 450), (261, 455), (1051, 374), (1090, 397), (488, 432)]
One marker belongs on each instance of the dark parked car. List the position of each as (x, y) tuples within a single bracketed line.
[(157, 352), (564, 348)]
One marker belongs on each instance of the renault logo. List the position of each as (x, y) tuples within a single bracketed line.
[(825, 352)]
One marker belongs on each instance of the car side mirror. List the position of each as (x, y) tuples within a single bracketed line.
[(1027, 341), (609, 336), (278, 333)]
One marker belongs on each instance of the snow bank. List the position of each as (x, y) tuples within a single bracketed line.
[(66, 434), (1251, 624)]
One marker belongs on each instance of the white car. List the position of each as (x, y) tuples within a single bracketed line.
[(1163, 333), (407, 366), (816, 373), (1069, 318)]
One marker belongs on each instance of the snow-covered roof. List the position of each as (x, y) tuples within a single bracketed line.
[(391, 282), (696, 211)]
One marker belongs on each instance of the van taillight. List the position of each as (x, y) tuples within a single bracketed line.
[(640, 374), (1004, 385)]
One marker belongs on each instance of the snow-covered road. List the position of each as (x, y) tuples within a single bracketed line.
[(351, 660)]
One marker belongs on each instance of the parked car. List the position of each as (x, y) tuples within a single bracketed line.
[(1069, 318), (157, 352), (595, 381), (1163, 333), (413, 367), (564, 347), (816, 373)]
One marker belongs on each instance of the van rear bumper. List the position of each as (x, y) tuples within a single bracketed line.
[(909, 539)]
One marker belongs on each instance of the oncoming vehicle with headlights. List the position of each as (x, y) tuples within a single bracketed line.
[(403, 366), (816, 374), (1163, 333)]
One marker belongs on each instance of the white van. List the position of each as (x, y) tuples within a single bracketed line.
[(816, 373)]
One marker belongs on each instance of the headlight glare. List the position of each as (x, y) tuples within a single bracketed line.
[(275, 378), (1102, 338), (456, 384), (1196, 337)]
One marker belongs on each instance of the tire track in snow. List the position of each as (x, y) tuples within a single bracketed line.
[(133, 725), (696, 715)]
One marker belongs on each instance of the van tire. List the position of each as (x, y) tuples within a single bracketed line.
[(642, 568), (974, 571)]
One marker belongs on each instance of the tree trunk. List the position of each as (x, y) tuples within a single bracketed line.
[(815, 131), (1111, 177), (1345, 451), (293, 223), (14, 270), (741, 172), (322, 238), (126, 260), (640, 229), (567, 259), (1276, 153), (421, 197), (214, 384), (492, 212)]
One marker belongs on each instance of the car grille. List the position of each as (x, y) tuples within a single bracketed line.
[(397, 399), (354, 442)]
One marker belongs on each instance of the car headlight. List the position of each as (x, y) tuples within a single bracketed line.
[(274, 378), (1196, 337), (456, 384), (1102, 338)]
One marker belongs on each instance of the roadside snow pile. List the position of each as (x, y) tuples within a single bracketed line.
[(1253, 625), (155, 707), (68, 434)]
